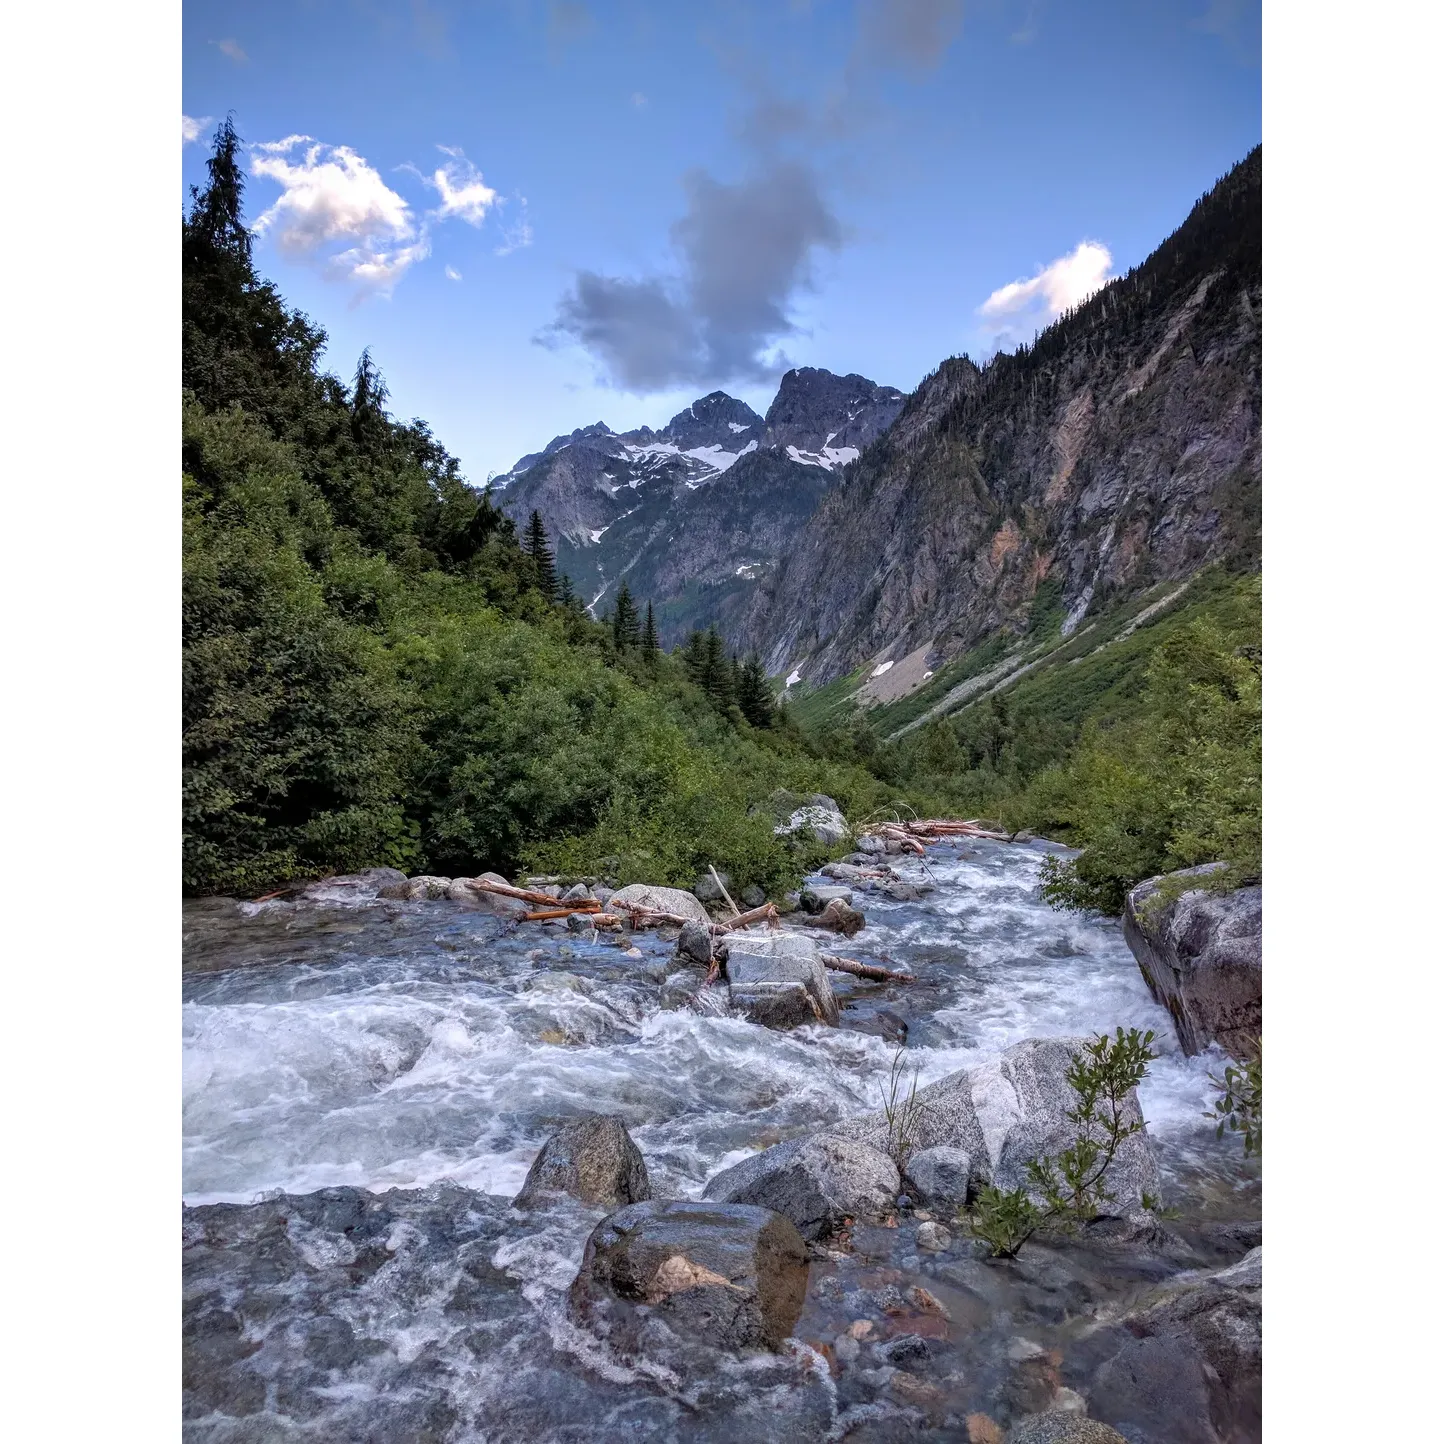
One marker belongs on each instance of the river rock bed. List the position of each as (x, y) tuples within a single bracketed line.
[(368, 1081)]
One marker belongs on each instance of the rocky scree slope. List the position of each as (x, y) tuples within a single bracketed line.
[(693, 515), (1120, 450)]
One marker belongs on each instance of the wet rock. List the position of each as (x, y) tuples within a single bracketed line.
[(706, 890), (578, 892), (663, 899), (838, 917), (817, 1183), (816, 896), (872, 846), (778, 979), (489, 902), (902, 891), (1010, 1110), (592, 1158), (353, 886), (934, 1238), (1062, 1426), (1191, 1362), (939, 1177), (727, 1275), (580, 923), (694, 946), (417, 889), (1201, 954)]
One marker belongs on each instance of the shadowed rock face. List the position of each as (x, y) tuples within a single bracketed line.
[(726, 1275), (816, 1182), (591, 1158), (1121, 450), (1201, 954)]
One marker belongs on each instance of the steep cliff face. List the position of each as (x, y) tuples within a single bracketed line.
[(692, 515), (1120, 450)]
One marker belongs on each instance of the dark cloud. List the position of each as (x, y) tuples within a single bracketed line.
[(745, 250), (907, 34)]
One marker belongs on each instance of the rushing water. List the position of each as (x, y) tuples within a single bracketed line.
[(420, 1046)]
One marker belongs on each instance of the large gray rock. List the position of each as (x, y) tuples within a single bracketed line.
[(424, 888), (1190, 1364), (1201, 954), (728, 1275), (591, 1157), (938, 1177), (778, 979), (817, 817), (462, 891), (706, 888), (816, 896), (663, 899), (694, 946), (1004, 1112), (1061, 1426), (816, 1182)]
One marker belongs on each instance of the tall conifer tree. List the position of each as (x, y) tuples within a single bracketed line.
[(651, 646), (535, 545)]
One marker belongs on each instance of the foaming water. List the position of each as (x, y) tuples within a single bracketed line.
[(403, 1044), (370, 1082)]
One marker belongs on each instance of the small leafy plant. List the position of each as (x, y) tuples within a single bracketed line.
[(903, 1111), (1071, 1187), (1239, 1106)]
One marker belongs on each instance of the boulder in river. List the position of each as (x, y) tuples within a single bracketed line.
[(592, 1158), (816, 896), (816, 1182), (938, 1177), (1201, 954), (424, 888), (838, 917), (694, 945), (490, 902), (778, 979), (1004, 1112), (727, 1275), (707, 890), (662, 899)]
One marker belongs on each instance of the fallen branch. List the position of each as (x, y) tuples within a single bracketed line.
[(648, 917), (736, 911), (864, 970), (766, 913), (505, 889), (547, 914)]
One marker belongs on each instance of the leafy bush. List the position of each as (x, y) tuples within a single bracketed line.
[(1072, 1186), (1239, 1106)]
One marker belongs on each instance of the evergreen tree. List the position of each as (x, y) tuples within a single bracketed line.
[(626, 631), (716, 669), (753, 695), (694, 657), (651, 647), (535, 545)]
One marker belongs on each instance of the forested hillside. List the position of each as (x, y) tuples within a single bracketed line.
[(377, 671)]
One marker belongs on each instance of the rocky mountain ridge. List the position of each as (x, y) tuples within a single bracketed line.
[(1120, 450), (694, 513)]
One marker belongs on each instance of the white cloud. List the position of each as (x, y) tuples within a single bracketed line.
[(232, 49), (452, 274), (639, 100), (191, 128), (1021, 308), (330, 194), (463, 192)]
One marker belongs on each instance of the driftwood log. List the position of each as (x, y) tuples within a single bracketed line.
[(864, 970)]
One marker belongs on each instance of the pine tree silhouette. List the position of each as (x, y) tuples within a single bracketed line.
[(534, 544)]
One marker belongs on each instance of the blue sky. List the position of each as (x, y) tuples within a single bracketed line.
[(543, 213)]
